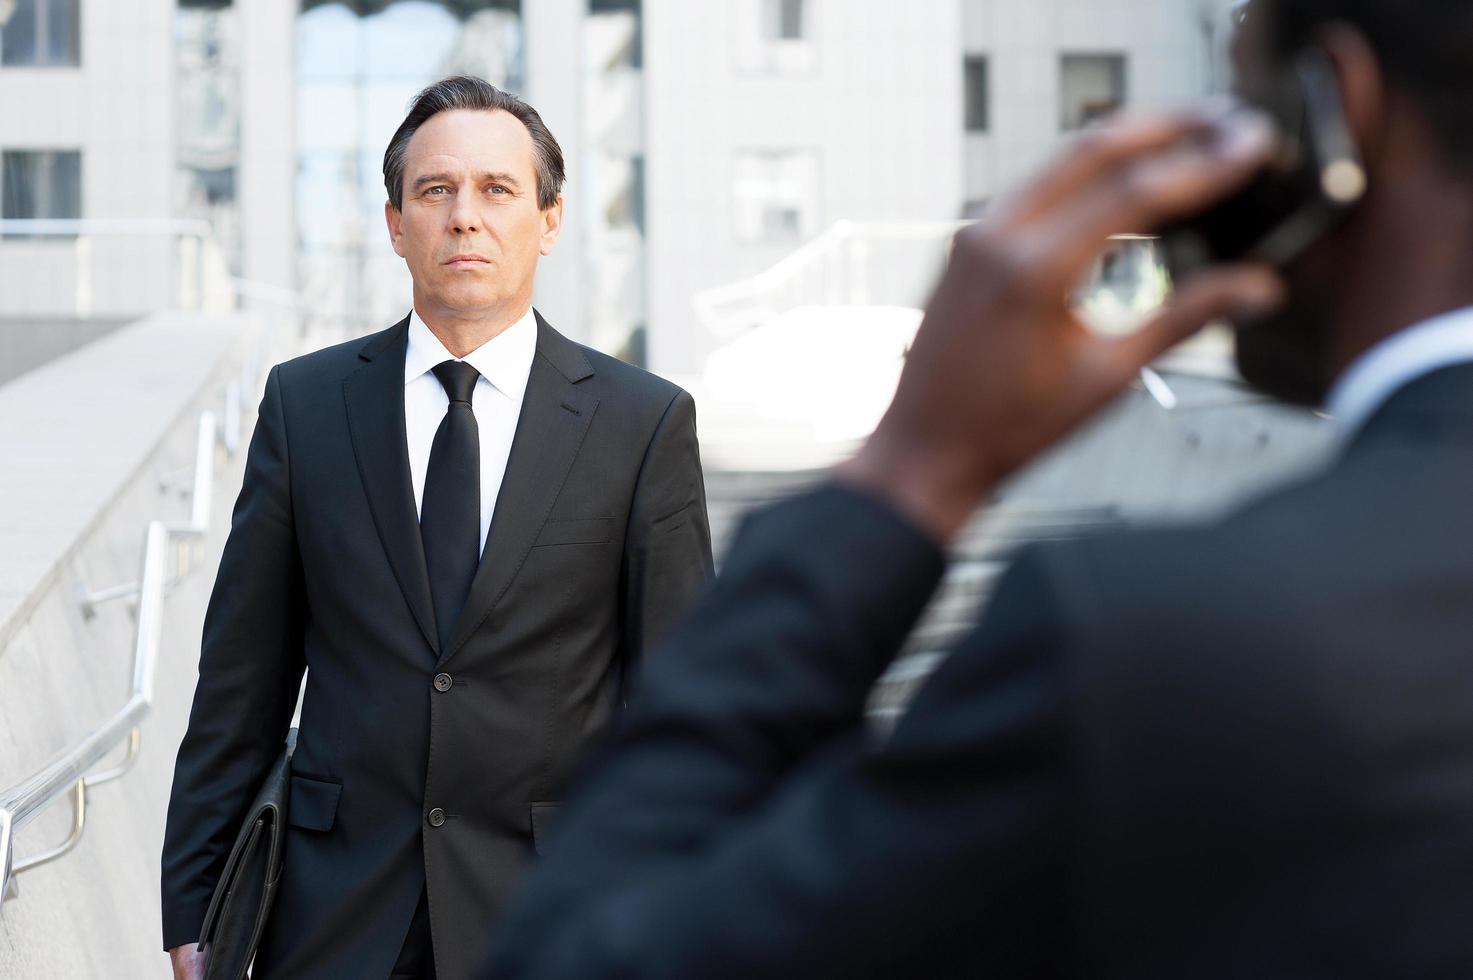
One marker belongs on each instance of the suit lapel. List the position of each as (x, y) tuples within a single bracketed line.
[(374, 395), (555, 417)]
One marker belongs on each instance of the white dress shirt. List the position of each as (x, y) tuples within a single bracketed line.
[(1397, 361), (505, 362)]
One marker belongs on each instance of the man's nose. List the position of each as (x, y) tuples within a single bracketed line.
[(463, 216)]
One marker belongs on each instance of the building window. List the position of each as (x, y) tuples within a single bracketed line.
[(773, 36), (636, 192), (620, 19), (1091, 86), (40, 33), (775, 194), (975, 95), (784, 19), (40, 184)]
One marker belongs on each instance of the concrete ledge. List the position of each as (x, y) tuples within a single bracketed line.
[(29, 342), (74, 433)]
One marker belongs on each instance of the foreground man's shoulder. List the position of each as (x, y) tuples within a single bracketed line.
[(1225, 575)]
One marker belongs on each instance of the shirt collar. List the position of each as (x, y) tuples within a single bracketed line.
[(1395, 362), (505, 360)]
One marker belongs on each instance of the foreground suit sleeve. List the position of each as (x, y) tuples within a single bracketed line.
[(742, 823), (250, 669), (667, 547)]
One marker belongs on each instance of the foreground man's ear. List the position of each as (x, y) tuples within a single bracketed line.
[(395, 221), (552, 226)]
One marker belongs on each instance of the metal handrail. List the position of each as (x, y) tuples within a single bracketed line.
[(202, 293), (836, 258), (71, 772), (830, 270), (145, 227)]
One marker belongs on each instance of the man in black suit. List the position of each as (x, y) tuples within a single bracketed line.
[(466, 529), (1235, 750)]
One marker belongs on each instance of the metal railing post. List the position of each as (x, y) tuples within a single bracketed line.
[(74, 837), (7, 887), (204, 472)]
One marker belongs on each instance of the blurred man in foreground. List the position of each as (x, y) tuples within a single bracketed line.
[(1237, 750)]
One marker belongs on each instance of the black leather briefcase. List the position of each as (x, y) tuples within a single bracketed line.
[(242, 901)]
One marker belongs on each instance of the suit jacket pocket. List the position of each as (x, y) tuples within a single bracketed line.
[(544, 819), (313, 804), (594, 530)]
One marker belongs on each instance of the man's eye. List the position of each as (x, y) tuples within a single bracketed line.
[(497, 189), (436, 190)]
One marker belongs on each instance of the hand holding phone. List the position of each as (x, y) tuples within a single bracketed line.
[(1002, 366), (1314, 180)]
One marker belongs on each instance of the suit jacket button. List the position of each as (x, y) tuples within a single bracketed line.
[(443, 682), (437, 817)]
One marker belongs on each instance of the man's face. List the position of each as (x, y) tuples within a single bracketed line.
[(470, 229)]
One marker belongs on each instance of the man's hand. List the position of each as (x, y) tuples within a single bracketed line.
[(1001, 368), (188, 961)]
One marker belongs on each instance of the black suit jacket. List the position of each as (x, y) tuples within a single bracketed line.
[(599, 538), (1238, 750)]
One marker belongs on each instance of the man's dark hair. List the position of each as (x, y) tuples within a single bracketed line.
[(1425, 48), (468, 92)]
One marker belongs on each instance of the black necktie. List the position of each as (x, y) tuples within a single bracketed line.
[(450, 511)]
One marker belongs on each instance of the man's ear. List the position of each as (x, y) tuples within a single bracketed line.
[(552, 225), (1362, 85), (395, 221)]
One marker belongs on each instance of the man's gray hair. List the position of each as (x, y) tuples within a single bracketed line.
[(468, 92)]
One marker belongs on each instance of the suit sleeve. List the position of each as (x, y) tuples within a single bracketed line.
[(743, 823), (667, 546), (250, 670)]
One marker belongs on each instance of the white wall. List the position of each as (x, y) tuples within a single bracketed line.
[(880, 107)]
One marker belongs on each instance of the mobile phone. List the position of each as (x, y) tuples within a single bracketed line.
[(1294, 201)]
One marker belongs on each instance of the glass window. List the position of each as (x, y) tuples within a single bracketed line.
[(40, 184), (618, 19), (41, 33), (636, 192), (18, 175), (1090, 86), (775, 194), (625, 208), (785, 19), (975, 94), (773, 36)]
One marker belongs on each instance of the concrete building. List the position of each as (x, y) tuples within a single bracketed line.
[(705, 141), (86, 122), (769, 120), (1035, 70), (132, 117)]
